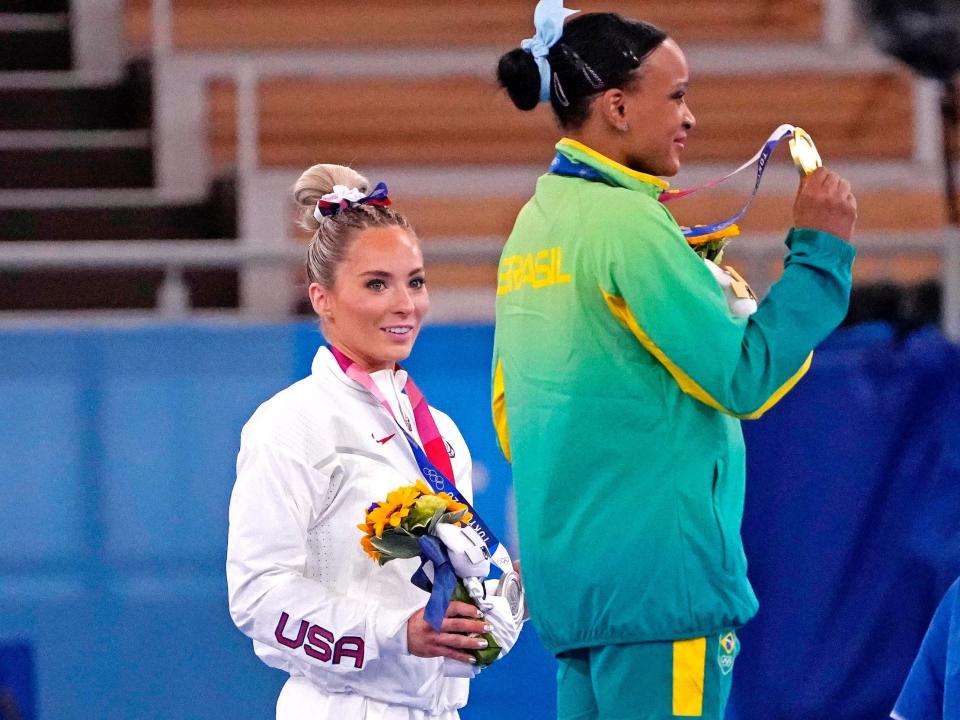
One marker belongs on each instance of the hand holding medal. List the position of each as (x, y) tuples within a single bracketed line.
[(824, 202), (708, 240)]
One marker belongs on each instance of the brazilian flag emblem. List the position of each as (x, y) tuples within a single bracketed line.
[(727, 652)]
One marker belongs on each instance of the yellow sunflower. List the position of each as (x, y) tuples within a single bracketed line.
[(368, 547), (423, 488), (391, 512)]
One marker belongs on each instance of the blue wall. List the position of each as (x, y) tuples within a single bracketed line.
[(116, 465)]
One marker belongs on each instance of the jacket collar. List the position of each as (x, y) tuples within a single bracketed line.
[(613, 172), (324, 364)]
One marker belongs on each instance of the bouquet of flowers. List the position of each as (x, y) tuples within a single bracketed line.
[(710, 247), (408, 524)]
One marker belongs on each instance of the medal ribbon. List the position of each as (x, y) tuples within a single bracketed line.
[(562, 165), (435, 462)]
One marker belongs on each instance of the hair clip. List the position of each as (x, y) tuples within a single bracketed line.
[(573, 57), (558, 91)]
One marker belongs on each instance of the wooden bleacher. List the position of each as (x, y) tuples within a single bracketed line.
[(305, 24), (864, 117), (467, 120), (879, 211), (855, 115)]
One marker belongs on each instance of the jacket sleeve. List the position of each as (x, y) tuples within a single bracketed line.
[(308, 628), (664, 294)]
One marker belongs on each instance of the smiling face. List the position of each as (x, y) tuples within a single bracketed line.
[(655, 115), (374, 311)]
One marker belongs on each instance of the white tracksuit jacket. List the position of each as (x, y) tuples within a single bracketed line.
[(312, 459)]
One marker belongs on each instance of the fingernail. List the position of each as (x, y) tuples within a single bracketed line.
[(488, 628), (481, 643), (479, 613), (473, 660)]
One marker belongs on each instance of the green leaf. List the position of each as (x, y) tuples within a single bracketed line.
[(423, 511), (437, 516), (396, 545), (490, 653), (460, 593), (454, 516), (711, 249)]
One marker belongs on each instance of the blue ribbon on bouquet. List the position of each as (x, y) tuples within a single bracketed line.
[(440, 483), (444, 579)]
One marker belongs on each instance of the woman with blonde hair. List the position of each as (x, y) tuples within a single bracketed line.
[(351, 633)]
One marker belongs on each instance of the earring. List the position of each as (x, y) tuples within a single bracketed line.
[(622, 126)]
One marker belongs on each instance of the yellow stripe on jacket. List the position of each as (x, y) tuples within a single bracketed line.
[(618, 307), (500, 411)]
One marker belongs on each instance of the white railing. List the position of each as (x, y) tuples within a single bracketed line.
[(951, 284), (752, 255), (96, 30), (174, 257)]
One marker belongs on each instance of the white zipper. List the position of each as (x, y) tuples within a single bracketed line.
[(403, 414)]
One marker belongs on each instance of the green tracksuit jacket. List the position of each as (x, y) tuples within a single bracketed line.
[(620, 379)]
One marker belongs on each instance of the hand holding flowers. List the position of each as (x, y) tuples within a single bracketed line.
[(405, 525)]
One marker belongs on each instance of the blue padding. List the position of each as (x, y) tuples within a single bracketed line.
[(42, 453), (171, 420)]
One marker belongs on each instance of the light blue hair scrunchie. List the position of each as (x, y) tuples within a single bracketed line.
[(548, 20)]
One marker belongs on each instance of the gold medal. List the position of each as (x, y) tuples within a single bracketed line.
[(804, 152)]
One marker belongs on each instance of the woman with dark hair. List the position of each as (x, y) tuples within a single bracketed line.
[(621, 375)]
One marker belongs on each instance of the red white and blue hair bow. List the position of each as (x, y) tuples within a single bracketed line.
[(343, 198)]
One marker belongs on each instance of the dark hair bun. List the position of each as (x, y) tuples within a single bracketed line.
[(519, 75)]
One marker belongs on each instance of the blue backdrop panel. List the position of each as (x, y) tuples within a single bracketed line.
[(43, 456), (851, 526), (117, 461), (118, 451), (170, 422)]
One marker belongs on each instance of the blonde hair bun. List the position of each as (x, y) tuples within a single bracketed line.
[(318, 181)]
